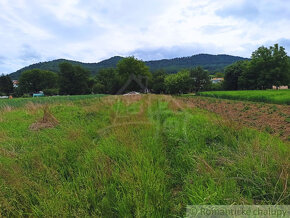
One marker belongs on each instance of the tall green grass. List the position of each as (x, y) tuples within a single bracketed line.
[(19, 102), (111, 158), (216, 162), (267, 96)]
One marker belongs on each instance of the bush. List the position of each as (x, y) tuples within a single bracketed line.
[(17, 92), (98, 88), (216, 87), (26, 95), (50, 92)]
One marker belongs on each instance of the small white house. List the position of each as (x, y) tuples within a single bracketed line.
[(217, 80), (280, 87), (15, 83)]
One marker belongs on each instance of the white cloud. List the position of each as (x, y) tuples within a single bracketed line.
[(92, 30)]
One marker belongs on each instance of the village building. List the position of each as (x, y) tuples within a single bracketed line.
[(280, 87), (217, 80)]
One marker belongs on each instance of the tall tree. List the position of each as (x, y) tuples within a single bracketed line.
[(199, 78), (269, 66), (178, 83), (131, 66), (6, 85), (158, 82), (74, 80), (108, 78), (37, 80), (232, 79)]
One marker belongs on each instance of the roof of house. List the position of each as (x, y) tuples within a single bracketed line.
[(217, 79)]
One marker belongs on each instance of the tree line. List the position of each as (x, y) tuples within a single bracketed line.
[(267, 67), (6, 85), (75, 80)]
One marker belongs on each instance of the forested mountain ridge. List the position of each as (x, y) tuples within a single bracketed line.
[(208, 62), (54, 65)]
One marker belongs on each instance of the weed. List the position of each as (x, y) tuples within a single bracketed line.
[(269, 130), (282, 114), (246, 108)]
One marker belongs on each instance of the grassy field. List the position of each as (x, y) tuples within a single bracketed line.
[(19, 102), (273, 118), (133, 156), (268, 96)]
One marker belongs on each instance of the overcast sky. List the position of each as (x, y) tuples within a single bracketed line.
[(93, 30)]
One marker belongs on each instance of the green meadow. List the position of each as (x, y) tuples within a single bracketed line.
[(268, 96), (132, 156), (19, 102)]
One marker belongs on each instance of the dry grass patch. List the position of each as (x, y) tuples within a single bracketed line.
[(33, 107), (121, 123), (6, 153), (74, 134), (47, 121), (3, 136), (129, 99), (7, 108)]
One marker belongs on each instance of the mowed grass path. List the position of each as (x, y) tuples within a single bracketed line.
[(134, 156), (267, 96)]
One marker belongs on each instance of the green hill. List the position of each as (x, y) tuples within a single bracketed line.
[(209, 62), (53, 65)]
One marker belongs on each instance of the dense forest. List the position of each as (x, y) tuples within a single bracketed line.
[(212, 63)]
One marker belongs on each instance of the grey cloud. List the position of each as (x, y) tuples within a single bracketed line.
[(213, 29), (267, 11), (246, 10), (92, 30), (7, 65), (285, 42), (29, 53), (127, 11), (174, 51), (2, 59)]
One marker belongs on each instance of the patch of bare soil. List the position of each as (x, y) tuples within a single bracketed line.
[(267, 117), (47, 121)]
